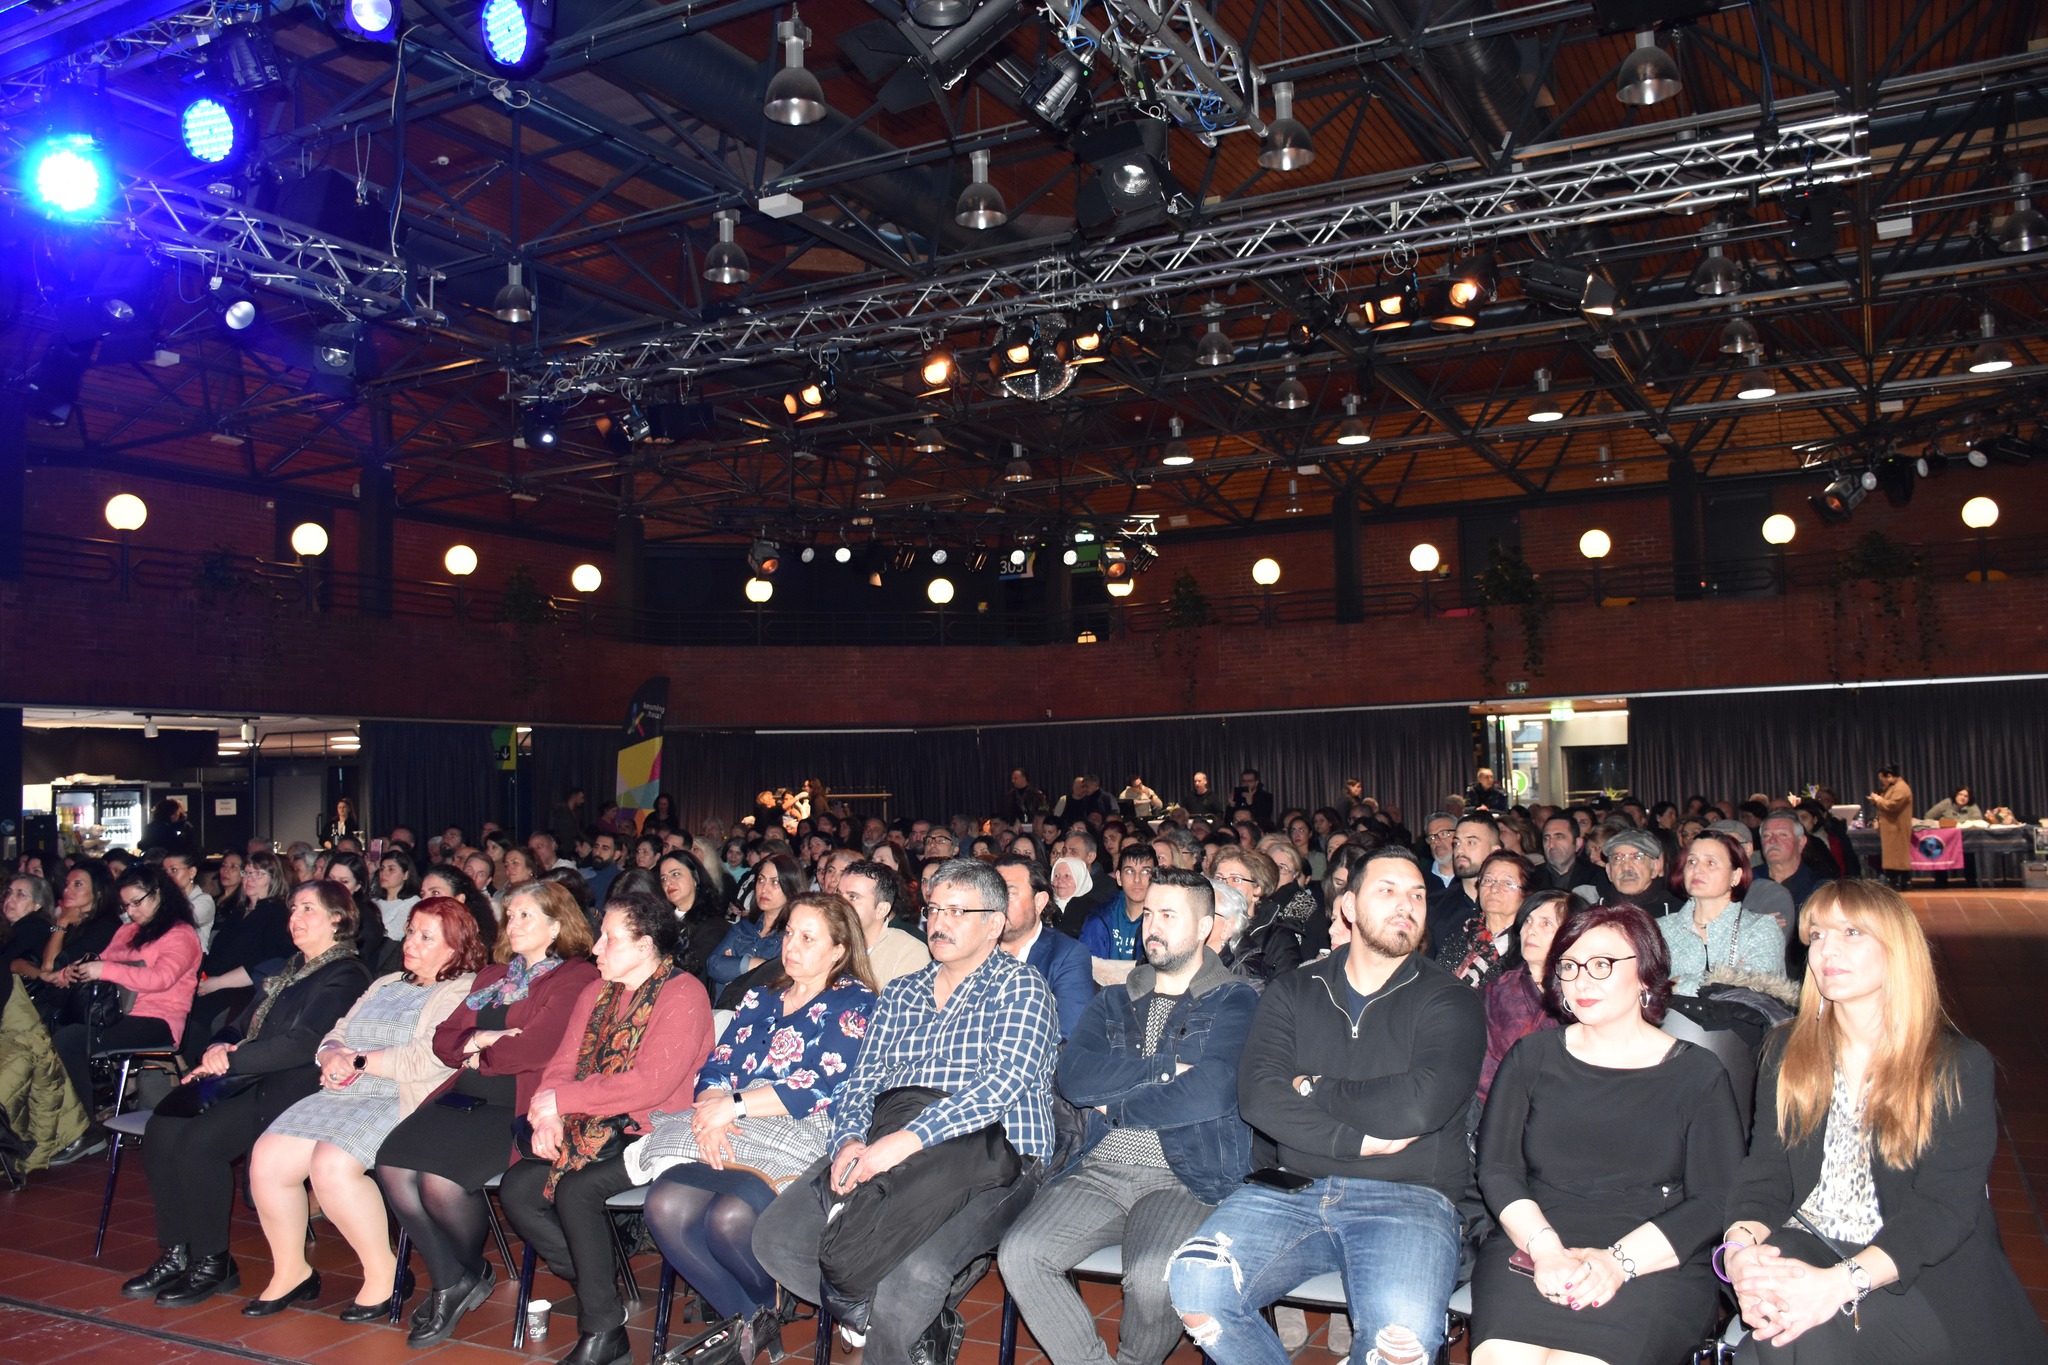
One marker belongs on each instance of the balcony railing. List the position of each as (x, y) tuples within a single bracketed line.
[(226, 581)]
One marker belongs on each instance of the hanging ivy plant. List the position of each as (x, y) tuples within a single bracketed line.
[(1508, 581), (1888, 567), (523, 603), (1187, 611)]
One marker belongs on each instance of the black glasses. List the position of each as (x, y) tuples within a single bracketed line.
[(961, 912), (127, 904), (1599, 968)]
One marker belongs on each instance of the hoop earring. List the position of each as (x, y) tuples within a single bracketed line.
[(1566, 1006), (1646, 997)]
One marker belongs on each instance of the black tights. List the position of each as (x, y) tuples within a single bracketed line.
[(703, 1221), (446, 1222)]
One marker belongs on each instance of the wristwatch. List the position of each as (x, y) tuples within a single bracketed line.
[(739, 1105), (361, 1060)]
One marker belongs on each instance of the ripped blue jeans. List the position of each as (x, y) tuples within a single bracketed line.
[(1395, 1245)]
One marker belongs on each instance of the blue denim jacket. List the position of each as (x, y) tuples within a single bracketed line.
[(1194, 1111)]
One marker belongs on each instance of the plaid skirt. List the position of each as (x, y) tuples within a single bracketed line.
[(777, 1147)]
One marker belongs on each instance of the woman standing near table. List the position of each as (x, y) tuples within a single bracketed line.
[(434, 1166), (1859, 1226)]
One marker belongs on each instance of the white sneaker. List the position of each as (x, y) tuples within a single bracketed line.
[(1292, 1325), (1340, 1334)]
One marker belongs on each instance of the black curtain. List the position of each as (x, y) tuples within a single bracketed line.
[(429, 776), (1408, 757), (561, 757), (1991, 735)]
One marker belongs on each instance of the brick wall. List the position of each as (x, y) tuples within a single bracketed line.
[(68, 644)]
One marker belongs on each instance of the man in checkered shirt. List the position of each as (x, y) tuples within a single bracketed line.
[(976, 1024)]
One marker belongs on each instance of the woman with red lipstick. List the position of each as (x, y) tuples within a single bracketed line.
[(1859, 1227), (1606, 1153)]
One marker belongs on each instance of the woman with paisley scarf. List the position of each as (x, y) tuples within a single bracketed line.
[(1484, 945), (255, 1068), (434, 1166), (635, 1043)]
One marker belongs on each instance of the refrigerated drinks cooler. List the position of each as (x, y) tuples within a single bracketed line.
[(101, 817)]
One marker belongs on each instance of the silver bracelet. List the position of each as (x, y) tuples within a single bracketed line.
[(1625, 1261)]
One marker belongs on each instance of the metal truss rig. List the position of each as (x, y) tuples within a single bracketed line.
[(1402, 222)]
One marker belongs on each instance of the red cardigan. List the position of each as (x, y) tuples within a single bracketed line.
[(541, 1018), (663, 1075)]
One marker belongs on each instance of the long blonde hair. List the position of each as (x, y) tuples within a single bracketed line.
[(1912, 1072)]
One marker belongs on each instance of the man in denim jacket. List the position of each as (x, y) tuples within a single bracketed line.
[(1153, 1064)]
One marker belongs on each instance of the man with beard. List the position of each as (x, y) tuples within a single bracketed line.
[(1476, 839), (1154, 1067), (1565, 866), (976, 1027), (1361, 1069), (1060, 958)]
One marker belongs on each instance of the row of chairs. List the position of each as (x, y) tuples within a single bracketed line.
[(1323, 1293)]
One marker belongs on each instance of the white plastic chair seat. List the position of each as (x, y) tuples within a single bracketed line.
[(1461, 1300), (495, 1181), (720, 1021), (628, 1199), (1108, 1262), (1326, 1289), (1737, 1333), (129, 1124)]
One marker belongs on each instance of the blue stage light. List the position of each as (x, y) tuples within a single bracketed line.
[(373, 21), (68, 176), (209, 129), (507, 36)]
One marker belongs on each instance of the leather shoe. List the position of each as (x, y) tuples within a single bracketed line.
[(601, 1348), (445, 1309), (307, 1289), (91, 1142), (174, 1262), (209, 1275), (381, 1309)]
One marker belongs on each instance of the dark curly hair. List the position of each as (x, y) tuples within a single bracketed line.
[(1653, 963)]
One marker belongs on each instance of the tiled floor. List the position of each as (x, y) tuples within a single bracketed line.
[(57, 1304)]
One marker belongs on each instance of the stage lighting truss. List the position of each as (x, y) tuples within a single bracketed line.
[(1175, 60), (1224, 252)]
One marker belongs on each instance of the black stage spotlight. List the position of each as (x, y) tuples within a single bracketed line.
[(1837, 502), (542, 426), (764, 557), (1056, 96), (1132, 186)]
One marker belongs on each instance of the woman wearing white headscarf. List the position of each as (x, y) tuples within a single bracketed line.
[(1071, 882)]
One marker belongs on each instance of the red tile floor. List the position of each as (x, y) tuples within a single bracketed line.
[(58, 1304)]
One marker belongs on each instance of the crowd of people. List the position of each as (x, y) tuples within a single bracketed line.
[(854, 1060)]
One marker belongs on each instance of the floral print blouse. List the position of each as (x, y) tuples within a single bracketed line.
[(804, 1055)]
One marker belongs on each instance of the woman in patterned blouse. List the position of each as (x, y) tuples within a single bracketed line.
[(1875, 1125), (761, 1116)]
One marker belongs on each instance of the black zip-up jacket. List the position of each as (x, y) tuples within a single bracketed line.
[(1409, 1068)]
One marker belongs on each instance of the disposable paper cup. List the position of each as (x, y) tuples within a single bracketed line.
[(537, 1319)]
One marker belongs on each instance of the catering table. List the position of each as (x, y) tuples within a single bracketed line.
[(1997, 851)]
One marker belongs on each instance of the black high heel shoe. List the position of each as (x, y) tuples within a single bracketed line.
[(307, 1289)]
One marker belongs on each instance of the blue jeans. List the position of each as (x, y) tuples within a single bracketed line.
[(1395, 1245)]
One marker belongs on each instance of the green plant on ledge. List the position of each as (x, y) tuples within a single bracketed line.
[(1508, 581), (523, 603), (1187, 611), (1886, 565), (221, 574)]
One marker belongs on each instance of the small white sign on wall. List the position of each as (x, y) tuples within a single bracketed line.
[(224, 805)]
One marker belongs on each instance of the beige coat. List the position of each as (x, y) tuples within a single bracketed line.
[(415, 1067), (1895, 826)]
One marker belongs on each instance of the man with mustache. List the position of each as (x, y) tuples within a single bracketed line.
[(976, 1027), (1153, 1065), (1360, 1068)]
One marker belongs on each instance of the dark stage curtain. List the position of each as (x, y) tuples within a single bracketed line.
[(564, 757), (1990, 735), (430, 775), (1408, 758)]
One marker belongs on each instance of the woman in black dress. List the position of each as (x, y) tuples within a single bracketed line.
[(434, 1165), (244, 950), (1859, 1226), (247, 1074), (1606, 1153)]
